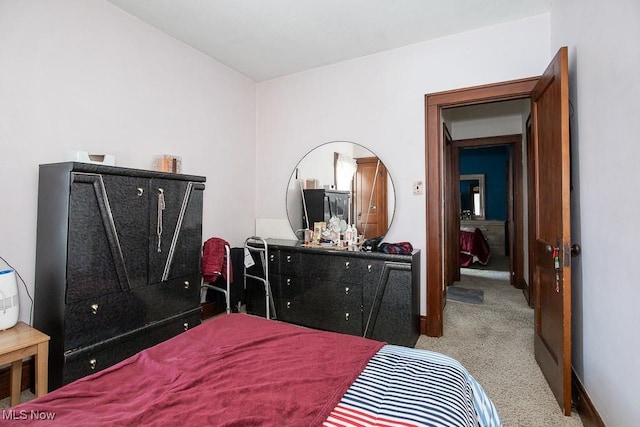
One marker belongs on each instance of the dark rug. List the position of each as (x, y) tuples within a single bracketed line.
[(470, 296)]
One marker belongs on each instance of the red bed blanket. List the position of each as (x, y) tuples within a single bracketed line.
[(235, 370), (473, 247)]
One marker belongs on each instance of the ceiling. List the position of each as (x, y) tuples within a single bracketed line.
[(265, 39)]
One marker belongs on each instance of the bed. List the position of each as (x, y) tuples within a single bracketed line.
[(473, 247), (243, 370)]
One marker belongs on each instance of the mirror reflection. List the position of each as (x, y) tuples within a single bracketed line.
[(343, 187), (472, 196)]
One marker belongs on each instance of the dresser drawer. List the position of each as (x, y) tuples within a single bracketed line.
[(169, 298), (94, 320), (352, 270), (324, 305), (285, 262), (95, 358)]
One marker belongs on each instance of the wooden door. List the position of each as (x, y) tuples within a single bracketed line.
[(552, 231), (452, 210), (370, 197), (529, 289)]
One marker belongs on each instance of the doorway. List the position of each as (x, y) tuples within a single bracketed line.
[(490, 199), (549, 211), (437, 159)]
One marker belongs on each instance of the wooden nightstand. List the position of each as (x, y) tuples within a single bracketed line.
[(17, 343)]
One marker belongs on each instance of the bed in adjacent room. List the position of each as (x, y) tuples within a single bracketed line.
[(473, 247), (239, 369)]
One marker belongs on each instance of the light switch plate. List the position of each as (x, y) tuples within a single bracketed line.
[(418, 188)]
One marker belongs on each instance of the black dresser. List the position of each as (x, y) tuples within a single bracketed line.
[(117, 263), (369, 294)]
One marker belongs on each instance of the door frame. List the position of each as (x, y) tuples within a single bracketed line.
[(515, 206), (435, 179)]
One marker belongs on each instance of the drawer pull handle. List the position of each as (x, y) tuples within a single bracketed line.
[(186, 284), (346, 265), (93, 363), (94, 308), (346, 290), (140, 191), (185, 325), (288, 258), (346, 317), (288, 304), (369, 268), (272, 257), (288, 282)]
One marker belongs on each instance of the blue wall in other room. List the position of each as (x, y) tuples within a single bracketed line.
[(492, 162)]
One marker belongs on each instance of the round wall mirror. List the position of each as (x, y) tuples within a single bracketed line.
[(343, 183)]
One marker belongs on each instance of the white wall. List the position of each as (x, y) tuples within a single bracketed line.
[(378, 101), (604, 63), (85, 75)]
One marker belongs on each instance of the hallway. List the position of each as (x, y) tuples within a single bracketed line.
[(494, 341)]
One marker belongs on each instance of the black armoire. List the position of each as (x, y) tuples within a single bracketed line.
[(117, 263)]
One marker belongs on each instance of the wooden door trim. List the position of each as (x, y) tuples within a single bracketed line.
[(434, 103)]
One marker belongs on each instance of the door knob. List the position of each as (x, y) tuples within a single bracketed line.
[(575, 249)]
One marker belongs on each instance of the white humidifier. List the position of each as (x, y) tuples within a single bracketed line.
[(9, 304)]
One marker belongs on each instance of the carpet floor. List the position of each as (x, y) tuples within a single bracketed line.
[(494, 341)]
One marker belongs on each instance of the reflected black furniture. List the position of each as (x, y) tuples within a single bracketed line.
[(117, 263), (369, 294), (321, 205)]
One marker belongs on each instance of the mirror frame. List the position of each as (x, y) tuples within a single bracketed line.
[(294, 188), (480, 178)]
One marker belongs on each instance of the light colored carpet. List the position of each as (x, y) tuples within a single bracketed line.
[(24, 397), (494, 341)]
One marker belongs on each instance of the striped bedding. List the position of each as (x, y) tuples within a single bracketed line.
[(408, 387)]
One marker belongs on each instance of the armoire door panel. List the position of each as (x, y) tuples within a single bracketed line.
[(129, 201), (95, 266), (175, 208), (186, 255)]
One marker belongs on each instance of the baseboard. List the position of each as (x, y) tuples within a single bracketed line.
[(423, 325), (5, 378), (209, 309), (585, 408)]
